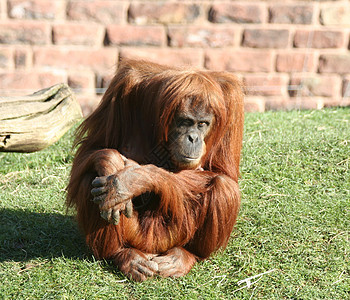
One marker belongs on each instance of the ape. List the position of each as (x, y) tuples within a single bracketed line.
[(154, 180)]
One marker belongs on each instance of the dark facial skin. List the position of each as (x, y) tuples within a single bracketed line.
[(186, 138), (186, 147)]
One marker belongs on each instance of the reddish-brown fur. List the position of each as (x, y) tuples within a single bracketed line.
[(191, 213)]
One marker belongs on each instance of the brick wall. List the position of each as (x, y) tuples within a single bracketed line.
[(294, 54)]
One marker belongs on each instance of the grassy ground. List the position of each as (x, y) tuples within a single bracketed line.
[(294, 222)]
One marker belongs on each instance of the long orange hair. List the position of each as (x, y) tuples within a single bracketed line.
[(142, 100)]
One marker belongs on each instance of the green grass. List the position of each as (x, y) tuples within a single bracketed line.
[(294, 222)]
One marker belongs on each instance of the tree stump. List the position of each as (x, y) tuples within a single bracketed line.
[(32, 123)]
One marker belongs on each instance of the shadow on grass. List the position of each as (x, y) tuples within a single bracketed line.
[(26, 235)]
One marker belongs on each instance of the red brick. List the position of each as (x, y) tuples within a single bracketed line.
[(23, 58), (25, 32), (239, 61), (254, 104), (163, 12), (3, 10), (276, 103), (6, 58), (102, 11), (346, 87), (175, 57), (265, 38), (295, 62), (78, 34), (102, 59), (336, 102), (304, 103), (82, 82), (129, 35), (323, 86), (334, 63), (103, 81), (335, 15), (236, 13), (291, 14), (319, 39), (29, 82), (293, 103), (201, 36), (36, 9), (266, 85), (88, 103)]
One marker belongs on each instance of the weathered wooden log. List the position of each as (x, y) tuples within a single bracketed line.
[(32, 123)]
